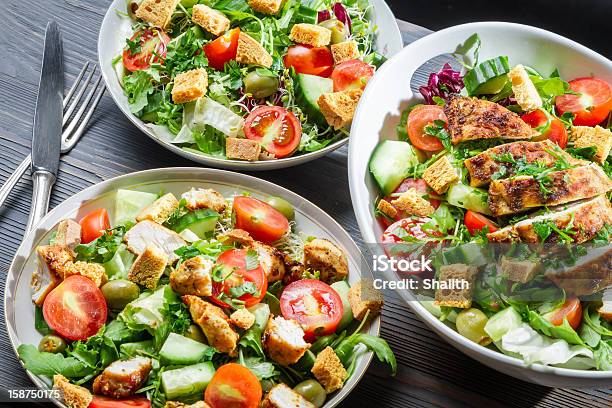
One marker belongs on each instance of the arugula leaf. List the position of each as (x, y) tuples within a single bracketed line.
[(184, 53), (49, 364), (564, 332), (603, 355), (473, 44), (438, 129), (103, 248), (582, 152), (261, 368), (379, 346), (211, 249), (138, 86)]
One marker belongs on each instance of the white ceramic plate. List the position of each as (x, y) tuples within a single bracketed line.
[(377, 116), (310, 219), (116, 27)]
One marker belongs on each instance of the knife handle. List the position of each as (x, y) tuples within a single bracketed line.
[(42, 182), (10, 182)]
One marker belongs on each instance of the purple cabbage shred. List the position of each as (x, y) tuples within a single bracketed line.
[(342, 15), (323, 15), (442, 84)]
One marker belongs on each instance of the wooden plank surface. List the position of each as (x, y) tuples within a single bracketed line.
[(431, 373)]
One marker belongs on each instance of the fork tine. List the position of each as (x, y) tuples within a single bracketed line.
[(69, 138), (77, 98), (75, 84)]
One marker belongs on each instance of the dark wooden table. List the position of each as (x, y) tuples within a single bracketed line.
[(431, 373)]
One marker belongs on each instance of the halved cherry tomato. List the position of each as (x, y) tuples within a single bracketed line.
[(593, 104), (76, 308), (315, 305), (404, 240), (418, 119), (261, 220), (233, 386), (420, 186), (108, 402), (550, 127), (275, 128), (310, 60), (234, 264), (476, 222), (150, 42), (223, 49), (351, 74), (570, 310), (93, 225)]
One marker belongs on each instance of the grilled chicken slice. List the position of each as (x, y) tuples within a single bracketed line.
[(123, 378), (271, 260), (52, 260), (588, 217), (147, 232), (521, 193), (483, 166), (214, 323), (192, 277), (473, 118)]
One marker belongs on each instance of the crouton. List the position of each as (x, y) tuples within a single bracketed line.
[(214, 323), (271, 261), (281, 396), (177, 404), (440, 175), (148, 267), (213, 21), (386, 208), (242, 149), (266, 6), (283, 340), (68, 233), (310, 34), (362, 297), (74, 396), (328, 370), (236, 236), (193, 277), (93, 271), (412, 203), (251, 52), (344, 51), (600, 138), (518, 271), (242, 318), (55, 257), (204, 198), (327, 258), (189, 86), (159, 210), (339, 107), (158, 13), (460, 276), (525, 92)]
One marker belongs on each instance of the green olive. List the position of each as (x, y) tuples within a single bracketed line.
[(195, 333), (260, 85), (312, 391), (338, 31), (52, 344), (470, 324), (283, 206), (119, 293)]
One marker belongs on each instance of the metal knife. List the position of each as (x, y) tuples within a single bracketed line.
[(47, 130)]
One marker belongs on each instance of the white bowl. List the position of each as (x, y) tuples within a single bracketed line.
[(18, 306), (116, 27), (377, 116)]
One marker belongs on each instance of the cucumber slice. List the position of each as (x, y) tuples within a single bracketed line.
[(470, 198), (181, 350), (470, 253), (342, 287), (187, 381), (261, 311), (305, 363), (129, 203), (137, 347), (488, 77), (308, 90), (391, 162), (201, 222)]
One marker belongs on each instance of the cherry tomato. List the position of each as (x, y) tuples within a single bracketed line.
[(315, 305), (233, 386), (570, 310), (234, 264), (149, 41), (593, 104), (275, 128), (223, 49), (549, 126), (93, 225), (75, 309), (418, 119), (399, 244), (261, 220), (108, 402), (351, 74), (476, 222), (420, 186), (310, 60)]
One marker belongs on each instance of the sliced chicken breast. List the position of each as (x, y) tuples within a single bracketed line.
[(123, 378), (590, 274), (147, 233)]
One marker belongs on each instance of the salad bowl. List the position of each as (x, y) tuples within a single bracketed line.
[(117, 26), (393, 91), (309, 219)]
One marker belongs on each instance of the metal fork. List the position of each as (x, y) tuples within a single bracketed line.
[(73, 128)]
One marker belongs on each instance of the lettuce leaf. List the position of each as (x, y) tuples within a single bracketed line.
[(49, 364)]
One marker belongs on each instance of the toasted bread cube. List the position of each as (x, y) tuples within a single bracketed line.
[(283, 340), (242, 149), (339, 107), (310, 34), (412, 203), (242, 318), (518, 271), (328, 370), (68, 233), (251, 52), (74, 396), (461, 277), (327, 258), (204, 198), (281, 396), (213, 21), (158, 13), (93, 271), (214, 323), (525, 92), (440, 175), (363, 296), (148, 267), (386, 208), (193, 277), (266, 6), (189, 86), (159, 210), (600, 138), (55, 257), (344, 51)]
